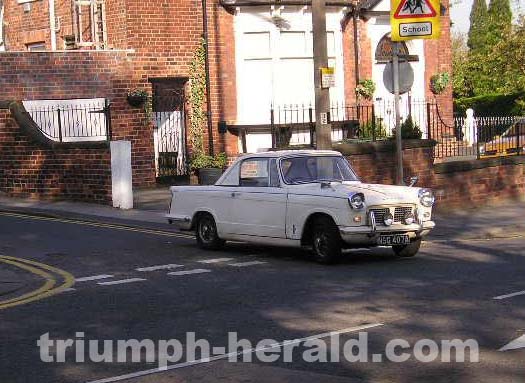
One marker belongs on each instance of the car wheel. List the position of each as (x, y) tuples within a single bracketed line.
[(326, 241), (206, 231), (406, 251)]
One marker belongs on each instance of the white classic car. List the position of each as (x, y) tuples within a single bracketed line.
[(303, 198)]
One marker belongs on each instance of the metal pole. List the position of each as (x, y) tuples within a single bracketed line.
[(107, 112), (59, 125), (399, 143), (207, 70), (323, 129)]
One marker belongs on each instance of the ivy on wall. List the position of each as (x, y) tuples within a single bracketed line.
[(196, 99)]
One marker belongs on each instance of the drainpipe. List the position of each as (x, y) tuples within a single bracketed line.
[(52, 25), (355, 19), (207, 70)]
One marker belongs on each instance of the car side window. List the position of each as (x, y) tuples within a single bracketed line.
[(254, 172), (232, 179)]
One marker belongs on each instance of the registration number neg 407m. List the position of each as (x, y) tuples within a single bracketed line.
[(393, 239)]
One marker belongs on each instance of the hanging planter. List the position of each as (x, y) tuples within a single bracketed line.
[(137, 97), (439, 82), (365, 89)]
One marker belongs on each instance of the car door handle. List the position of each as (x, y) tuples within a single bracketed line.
[(233, 194)]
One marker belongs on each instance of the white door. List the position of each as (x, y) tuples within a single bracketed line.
[(259, 203)]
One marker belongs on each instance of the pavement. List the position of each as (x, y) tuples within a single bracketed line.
[(488, 221)]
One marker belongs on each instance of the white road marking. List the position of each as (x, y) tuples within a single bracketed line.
[(93, 278), (510, 295), (121, 281), (233, 354), (69, 289), (515, 344), (244, 264), (216, 260), (159, 267), (188, 272)]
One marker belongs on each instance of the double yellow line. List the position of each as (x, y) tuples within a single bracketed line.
[(135, 229), (54, 281)]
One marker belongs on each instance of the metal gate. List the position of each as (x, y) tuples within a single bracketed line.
[(169, 127)]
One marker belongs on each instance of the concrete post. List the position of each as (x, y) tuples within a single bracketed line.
[(121, 176)]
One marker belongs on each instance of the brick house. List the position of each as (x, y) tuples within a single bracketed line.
[(260, 55)]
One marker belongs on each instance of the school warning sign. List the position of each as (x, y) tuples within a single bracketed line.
[(415, 19)]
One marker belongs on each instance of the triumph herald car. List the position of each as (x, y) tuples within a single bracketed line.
[(303, 198)]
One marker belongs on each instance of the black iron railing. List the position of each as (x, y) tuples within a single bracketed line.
[(294, 124), (478, 137), (72, 120)]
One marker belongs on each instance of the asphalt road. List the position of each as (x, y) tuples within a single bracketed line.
[(124, 291)]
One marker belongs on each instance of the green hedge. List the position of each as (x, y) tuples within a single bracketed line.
[(492, 105)]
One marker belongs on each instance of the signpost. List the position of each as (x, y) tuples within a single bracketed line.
[(415, 19), (409, 19), (323, 129)]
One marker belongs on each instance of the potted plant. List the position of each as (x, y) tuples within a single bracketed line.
[(208, 168), (137, 97)]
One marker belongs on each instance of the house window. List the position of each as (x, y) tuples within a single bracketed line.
[(36, 47), (89, 24)]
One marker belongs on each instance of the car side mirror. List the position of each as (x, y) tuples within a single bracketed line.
[(412, 181)]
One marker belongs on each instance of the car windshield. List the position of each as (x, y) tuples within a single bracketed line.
[(308, 169)]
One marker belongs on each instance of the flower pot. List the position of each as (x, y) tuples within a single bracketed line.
[(136, 100), (208, 176)]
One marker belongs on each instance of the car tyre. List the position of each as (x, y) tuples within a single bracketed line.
[(206, 232), (326, 241), (407, 251)]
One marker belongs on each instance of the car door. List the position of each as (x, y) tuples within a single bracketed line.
[(259, 203)]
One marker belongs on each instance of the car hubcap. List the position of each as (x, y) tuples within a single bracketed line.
[(207, 231), (321, 244)]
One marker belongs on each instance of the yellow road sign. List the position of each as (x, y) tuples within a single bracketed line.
[(415, 19)]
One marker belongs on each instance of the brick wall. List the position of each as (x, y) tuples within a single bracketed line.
[(59, 75), (24, 28), (30, 169), (456, 184)]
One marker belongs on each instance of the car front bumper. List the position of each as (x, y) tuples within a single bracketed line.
[(367, 236)]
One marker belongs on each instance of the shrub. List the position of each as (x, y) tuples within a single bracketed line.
[(409, 130), (367, 130), (201, 161), (492, 105)]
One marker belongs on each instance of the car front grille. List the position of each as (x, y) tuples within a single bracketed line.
[(379, 214), (399, 212)]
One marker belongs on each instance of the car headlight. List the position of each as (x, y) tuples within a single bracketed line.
[(426, 197), (482, 149), (388, 219), (409, 219), (356, 201)]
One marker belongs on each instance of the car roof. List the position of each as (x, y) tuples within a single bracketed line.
[(287, 153)]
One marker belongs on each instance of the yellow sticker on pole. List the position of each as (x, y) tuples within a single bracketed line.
[(415, 19)]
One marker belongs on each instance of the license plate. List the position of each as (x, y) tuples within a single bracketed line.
[(393, 239)]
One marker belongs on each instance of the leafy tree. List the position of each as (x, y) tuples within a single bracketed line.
[(499, 21), (478, 25), (461, 78)]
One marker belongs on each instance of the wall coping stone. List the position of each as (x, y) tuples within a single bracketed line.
[(353, 148), (464, 166)]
